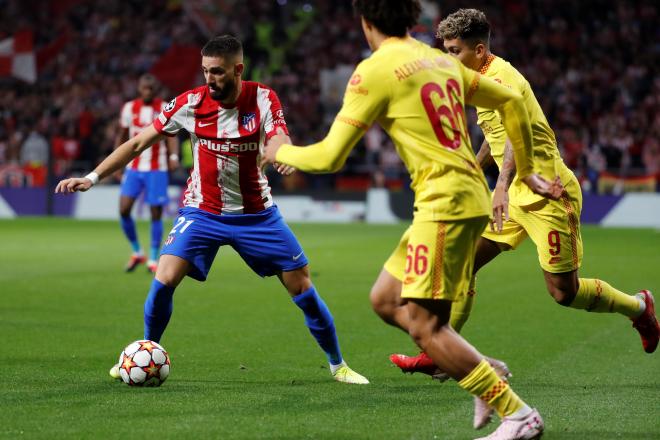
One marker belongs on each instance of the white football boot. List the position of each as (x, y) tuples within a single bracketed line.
[(527, 428)]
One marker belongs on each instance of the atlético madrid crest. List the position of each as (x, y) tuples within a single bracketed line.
[(249, 122)]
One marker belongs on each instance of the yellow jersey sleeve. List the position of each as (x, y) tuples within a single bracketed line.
[(365, 98), (485, 92)]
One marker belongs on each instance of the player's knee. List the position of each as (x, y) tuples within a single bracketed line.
[(381, 304), (168, 280), (156, 212), (562, 287), (171, 273), (297, 281), (298, 288), (125, 212), (563, 297)]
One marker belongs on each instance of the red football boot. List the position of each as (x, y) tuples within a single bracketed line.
[(647, 324), (134, 262), (421, 363)]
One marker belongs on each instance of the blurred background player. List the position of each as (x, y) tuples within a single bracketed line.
[(228, 200), (147, 173), (417, 94), (553, 226)]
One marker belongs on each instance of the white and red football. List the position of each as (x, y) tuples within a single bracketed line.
[(144, 363)]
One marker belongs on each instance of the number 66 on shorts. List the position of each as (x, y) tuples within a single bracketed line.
[(434, 260)]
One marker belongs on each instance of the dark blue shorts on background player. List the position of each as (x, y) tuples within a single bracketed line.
[(153, 183), (263, 240)]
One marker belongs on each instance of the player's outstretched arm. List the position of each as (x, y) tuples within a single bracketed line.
[(119, 158), (327, 156)]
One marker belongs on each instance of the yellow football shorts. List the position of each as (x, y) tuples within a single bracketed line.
[(434, 260), (553, 226)]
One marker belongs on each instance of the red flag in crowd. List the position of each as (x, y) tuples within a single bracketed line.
[(17, 57), (48, 53)]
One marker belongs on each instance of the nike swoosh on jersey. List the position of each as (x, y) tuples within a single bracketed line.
[(204, 124), (295, 258)]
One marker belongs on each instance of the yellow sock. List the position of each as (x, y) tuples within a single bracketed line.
[(484, 383), (460, 310), (598, 296)]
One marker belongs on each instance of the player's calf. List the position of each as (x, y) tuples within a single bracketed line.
[(320, 323)]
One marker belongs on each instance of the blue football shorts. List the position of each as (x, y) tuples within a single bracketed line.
[(263, 240), (153, 183)]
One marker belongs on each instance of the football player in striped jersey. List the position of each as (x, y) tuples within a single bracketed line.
[(147, 173), (228, 199)]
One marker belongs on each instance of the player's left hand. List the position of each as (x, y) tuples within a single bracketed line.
[(172, 162), (551, 190), (285, 170), (500, 209), (73, 184), (274, 144)]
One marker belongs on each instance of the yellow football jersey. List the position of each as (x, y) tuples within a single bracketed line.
[(548, 162), (417, 94)]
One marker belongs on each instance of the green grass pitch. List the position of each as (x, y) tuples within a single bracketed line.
[(245, 367)]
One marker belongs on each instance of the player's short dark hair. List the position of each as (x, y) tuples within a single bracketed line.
[(470, 25), (391, 17), (221, 46), (148, 78)]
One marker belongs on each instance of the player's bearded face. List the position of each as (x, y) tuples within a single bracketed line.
[(221, 77), (222, 90)]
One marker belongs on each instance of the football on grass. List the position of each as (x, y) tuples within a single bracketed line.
[(144, 364)]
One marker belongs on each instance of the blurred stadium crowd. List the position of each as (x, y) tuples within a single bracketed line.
[(592, 64)]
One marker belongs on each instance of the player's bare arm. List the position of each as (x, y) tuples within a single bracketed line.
[(119, 158), (172, 152), (122, 136), (281, 168), (501, 193), (508, 173), (484, 158), (270, 151), (272, 147)]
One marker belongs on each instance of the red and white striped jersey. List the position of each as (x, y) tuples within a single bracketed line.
[(227, 142), (136, 115)]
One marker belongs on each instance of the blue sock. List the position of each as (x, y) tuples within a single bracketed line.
[(157, 310), (156, 236), (128, 226), (320, 323)]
